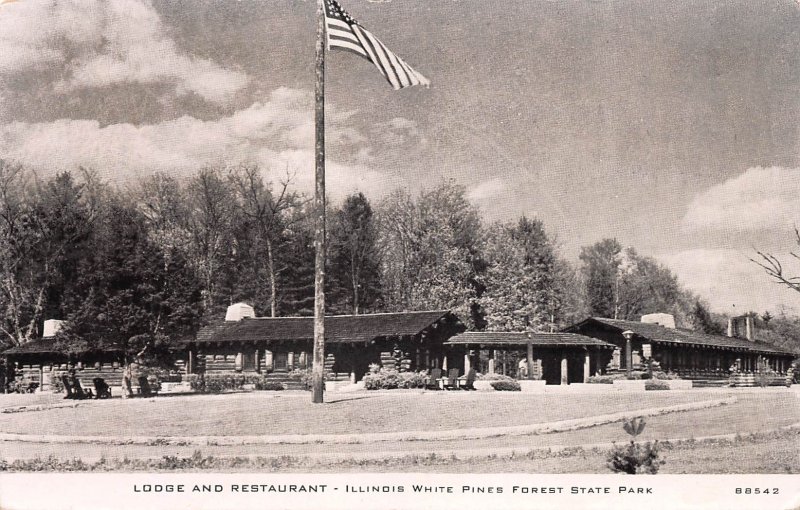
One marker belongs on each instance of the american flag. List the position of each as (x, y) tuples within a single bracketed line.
[(345, 33)]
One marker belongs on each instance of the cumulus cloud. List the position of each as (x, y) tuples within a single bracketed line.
[(399, 131), (729, 280), (276, 134), (487, 190), (96, 44), (758, 199)]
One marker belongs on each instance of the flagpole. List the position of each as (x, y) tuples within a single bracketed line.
[(318, 365)]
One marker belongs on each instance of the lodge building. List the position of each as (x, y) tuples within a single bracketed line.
[(421, 340)]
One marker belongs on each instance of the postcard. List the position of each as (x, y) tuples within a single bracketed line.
[(399, 254)]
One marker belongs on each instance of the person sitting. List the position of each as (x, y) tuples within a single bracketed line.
[(522, 370)]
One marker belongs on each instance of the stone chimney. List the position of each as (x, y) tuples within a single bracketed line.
[(239, 311), (51, 327), (742, 326), (662, 319)]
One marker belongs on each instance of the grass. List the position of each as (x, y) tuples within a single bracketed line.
[(265, 413), (756, 453)]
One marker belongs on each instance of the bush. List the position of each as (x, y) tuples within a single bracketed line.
[(506, 385), (494, 377), (413, 379), (635, 459), (22, 385), (655, 384), (265, 385), (383, 379), (303, 375), (605, 379), (56, 384), (217, 383), (666, 376)]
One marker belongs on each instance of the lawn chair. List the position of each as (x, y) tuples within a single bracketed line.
[(67, 386), (101, 388), (144, 387), (77, 390), (433, 379), (469, 382), (452, 380)]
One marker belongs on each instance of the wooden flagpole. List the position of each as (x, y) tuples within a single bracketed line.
[(318, 365)]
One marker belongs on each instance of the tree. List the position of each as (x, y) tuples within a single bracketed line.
[(702, 321), (211, 204), (645, 286), (431, 251), (44, 229), (125, 296), (521, 292), (269, 214), (774, 268), (601, 262), (354, 273)]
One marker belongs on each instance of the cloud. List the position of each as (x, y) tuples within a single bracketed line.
[(97, 44), (276, 134), (759, 199), (729, 280), (397, 132), (487, 190)]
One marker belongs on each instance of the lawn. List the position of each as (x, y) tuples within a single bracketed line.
[(270, 413), (265, 413)]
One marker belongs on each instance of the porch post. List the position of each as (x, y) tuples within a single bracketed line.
[(427, 358), (189, 364), (628, 352), (491, 361), (530, 360), (444, 363), (587, 366), (564, 374), (466, 362)]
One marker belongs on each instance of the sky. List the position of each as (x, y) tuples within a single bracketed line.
[(670, 126)]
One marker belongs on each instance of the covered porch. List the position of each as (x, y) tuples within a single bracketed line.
[(557, 358)]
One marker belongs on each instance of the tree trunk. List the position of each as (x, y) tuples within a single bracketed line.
[(273, 289)]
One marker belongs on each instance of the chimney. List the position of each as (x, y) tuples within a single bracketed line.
[(742, 326), (662, 319), (51, 327), (239, 311)]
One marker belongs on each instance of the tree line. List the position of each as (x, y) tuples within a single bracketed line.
[(141, 267)]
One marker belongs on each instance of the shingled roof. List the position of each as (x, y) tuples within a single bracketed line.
[(537, 339), (338, 328), (45, 346), (660, 334)]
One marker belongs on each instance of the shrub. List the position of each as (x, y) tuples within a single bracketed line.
[(605, 379), (494, 377), (412, 379), (384, 379), (56, 384), (216, 383), (666, 376), (504, 385), (265, 385), (303, 375), (21, 385), (655, 384), (635, 459)]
